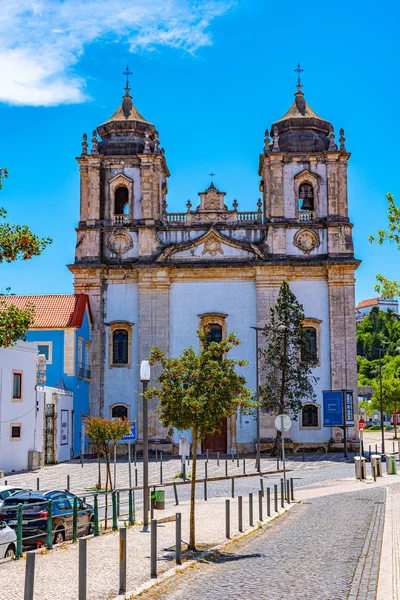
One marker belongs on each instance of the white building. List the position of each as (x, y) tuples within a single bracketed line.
[(58, 425), (364, 307), (21, 408)]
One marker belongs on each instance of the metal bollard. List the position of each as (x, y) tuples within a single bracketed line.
[(82, 568), (205, 490), (161, 474), (217, 459), (118, 504), (131, 518), (260, 505), (175, 493), (227, 518), (184, 471), (276, 498), (122, 560), (49, 535), (19, 532), (75, 520), (37, 484), (268, 502), (114, 510), (156, 455), (136, 478), (277, 463), (373, 472), (207, 455), (244, 466), (233, 457), (29, 575), (178, 538), (96, 515), (262, 485), (251, 520), (304, 456), (237, 460), (370, 452), (288, 491), (282, 495), (153, 548), (376, 448), (205, 470), (292, 489), (226, 467), (135, 458), (240, 513), (68, 482), (233, 487)]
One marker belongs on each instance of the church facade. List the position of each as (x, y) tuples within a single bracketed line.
[(154, 276)]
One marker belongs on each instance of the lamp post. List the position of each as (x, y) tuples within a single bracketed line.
[(258, 458), (145, 378)]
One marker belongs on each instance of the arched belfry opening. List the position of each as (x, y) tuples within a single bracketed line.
[(306, 196), (121, 201)]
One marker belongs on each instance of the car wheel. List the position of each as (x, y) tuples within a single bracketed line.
[(10, 552), (91, 527), (59, 536)]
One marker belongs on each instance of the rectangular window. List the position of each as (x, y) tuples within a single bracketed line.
[(81, 366), (46, 348), (17, 386), (88, 371), (15, 431)]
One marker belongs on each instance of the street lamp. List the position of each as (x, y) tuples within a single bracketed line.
[(258, 458), (145, 378)]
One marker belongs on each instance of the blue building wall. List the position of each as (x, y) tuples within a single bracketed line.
[(55, 371)]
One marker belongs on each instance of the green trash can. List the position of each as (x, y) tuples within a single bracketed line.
[(158, 497), (391, 466)]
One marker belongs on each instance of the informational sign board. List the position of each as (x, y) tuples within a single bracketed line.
[(283, 423), (349, 407), (333, 408), (133, 436), (361, 425), (184, 446), (64, 427)]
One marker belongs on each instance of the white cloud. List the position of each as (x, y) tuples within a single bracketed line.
[(42, 40)]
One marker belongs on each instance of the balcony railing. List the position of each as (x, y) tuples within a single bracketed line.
[(249, 216), (81, 370), (88, 373), (121, 219), (176, 217), (306, 216)]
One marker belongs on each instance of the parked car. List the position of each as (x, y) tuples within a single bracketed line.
[(35, 514), (6, 491), (8, 541)]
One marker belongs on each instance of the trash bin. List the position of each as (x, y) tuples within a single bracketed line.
[(376, 460), (158, 499), (360, 464), (391, 467)]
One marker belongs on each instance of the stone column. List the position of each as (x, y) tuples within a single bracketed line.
[(93, 191), (154, 291), (342, 327), (276, 186), (84, 191), (332, 185), (342, 176)]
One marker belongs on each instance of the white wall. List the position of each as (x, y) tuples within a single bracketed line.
[(14, 454), (121, 383), (237, 300)]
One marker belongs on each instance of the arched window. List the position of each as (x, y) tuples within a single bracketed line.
[(309, 416), (311, 337), (215, 333), (121, 201), (306, 196), (119, 411), (120, 347)]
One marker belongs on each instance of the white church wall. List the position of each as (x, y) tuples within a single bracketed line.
[(121, 383), (313, 295), (236, 299)]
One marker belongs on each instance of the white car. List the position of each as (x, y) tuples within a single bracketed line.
[(8, 541), (6, 491)]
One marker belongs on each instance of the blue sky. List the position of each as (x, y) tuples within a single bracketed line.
[(211, 76)]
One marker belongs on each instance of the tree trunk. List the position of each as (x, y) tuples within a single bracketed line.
[(275, 448), (98, 472), (192, 540)]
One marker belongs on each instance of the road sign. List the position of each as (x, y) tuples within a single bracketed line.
[(283, 423), (361, 425), (133, 436)]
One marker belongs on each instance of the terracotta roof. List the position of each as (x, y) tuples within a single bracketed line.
[(54, 311), (370, 302)]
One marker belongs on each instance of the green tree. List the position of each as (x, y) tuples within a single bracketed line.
[(390, 396), (386, 287), (17, 242), (105, 434), (198, 391), (287, 360)]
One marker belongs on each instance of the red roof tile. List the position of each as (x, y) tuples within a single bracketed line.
[(370, 302), (54, 311)]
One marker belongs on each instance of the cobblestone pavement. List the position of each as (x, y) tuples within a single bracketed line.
[(325, 549)]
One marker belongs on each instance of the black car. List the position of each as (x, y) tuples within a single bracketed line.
[(35, 513)]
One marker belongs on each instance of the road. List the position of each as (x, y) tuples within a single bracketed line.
[(325, 549)]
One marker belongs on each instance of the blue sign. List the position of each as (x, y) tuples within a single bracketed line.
[(333, 408), (133, 436)]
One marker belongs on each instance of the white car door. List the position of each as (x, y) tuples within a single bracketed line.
[(8, 540)]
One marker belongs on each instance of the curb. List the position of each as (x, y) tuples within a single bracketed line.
[(144, 587)]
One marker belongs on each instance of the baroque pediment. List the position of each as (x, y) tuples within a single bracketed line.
[(211, 246)]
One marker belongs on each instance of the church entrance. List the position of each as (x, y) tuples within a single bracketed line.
[(217, 442)]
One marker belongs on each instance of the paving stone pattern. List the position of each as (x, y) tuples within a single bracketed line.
[(316, 552)]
